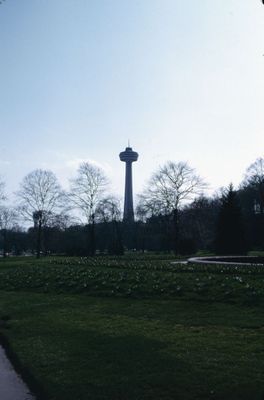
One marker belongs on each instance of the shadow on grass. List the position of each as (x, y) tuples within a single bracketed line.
[(80, 348), (132, 367), (123, 367)]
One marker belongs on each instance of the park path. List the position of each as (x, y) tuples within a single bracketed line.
[(11, 385)]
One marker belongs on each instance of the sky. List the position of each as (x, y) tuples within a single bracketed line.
[(183, 80)]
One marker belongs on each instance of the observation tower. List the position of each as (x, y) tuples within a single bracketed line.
[(128, 156)]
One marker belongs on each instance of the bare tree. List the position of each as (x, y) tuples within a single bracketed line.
[(170, 187), (108, 209), (40, 197), (108, 213), (2, 191), (8, 220), (254, 181), (62, 220), (86, 191), (255, 172), (8, 217)]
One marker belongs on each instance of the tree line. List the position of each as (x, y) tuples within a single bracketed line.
[(172, 214)]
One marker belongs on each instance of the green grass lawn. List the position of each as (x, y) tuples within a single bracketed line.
[(125, 328)]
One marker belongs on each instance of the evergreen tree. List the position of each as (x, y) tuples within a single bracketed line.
[(230, 236)]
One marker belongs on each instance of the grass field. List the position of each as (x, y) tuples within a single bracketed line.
[(134, 328)]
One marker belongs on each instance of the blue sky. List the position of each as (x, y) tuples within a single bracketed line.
[(182, 79)]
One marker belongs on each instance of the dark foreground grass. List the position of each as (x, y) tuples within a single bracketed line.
[(77, 346)]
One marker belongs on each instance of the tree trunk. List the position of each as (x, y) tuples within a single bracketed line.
[(175, 231), (5, 243), (118, 244), (92, 238), (39, 238)]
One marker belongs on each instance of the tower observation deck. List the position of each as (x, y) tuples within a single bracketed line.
[(128, 156)]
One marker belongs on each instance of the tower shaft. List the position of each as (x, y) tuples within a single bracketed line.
[(128, 203), (128, 156)]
